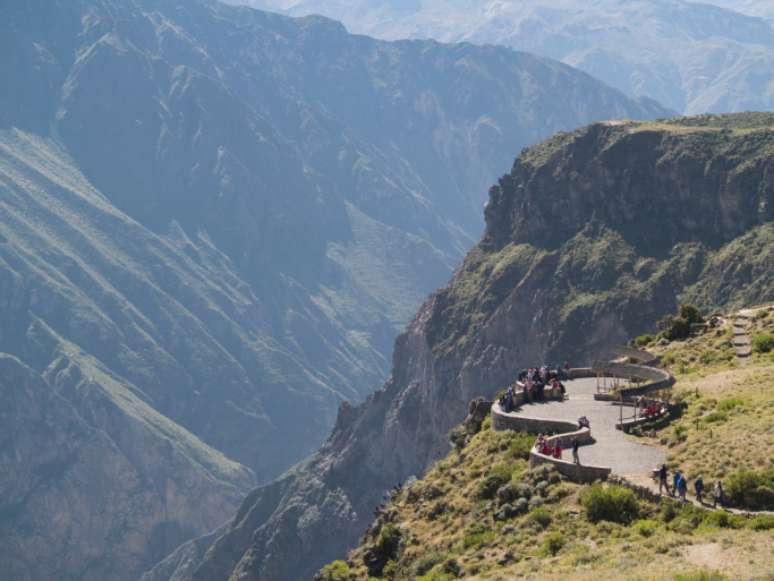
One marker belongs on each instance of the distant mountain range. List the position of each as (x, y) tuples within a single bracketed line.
[(691, 57), (214, 221), (760, 8)]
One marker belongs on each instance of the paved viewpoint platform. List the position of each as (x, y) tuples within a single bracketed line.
[(612, 448)]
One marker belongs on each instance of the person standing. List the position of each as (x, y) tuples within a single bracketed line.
[(682, 487), (675, 482), (698, 486), (575, 445), (662, 480), (718, 496)]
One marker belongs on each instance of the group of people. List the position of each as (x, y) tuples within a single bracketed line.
[(533, 383), (544, 446), (680, 487), (652, 410)]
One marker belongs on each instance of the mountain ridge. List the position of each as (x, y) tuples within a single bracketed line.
[(692, 57)]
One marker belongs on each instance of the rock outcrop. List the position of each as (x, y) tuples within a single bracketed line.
[(590, 238)]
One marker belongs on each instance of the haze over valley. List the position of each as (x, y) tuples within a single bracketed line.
[(254, 266)]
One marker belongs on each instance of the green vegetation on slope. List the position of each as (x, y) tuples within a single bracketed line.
[(481, 513)]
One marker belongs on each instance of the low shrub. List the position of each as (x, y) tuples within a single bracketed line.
[(426, 562), (646, 528), (610, 503), (751, 489), (702, 575), (553, 543), (540, 516), (762, 522), (335, 571), (717, 519), (520, 447), (644, 340), (728, 404), (476, 536), (715, 417), (497, 477), (707, 357), (763, 343)]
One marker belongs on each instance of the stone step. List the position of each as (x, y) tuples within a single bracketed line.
[(744, 352), (741, 341), (740, 331)]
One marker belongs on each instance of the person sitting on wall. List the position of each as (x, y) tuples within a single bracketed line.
[(583, 422), (541, 441), (558, 450)]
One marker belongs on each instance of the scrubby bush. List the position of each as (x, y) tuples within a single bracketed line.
[(520, 447), (717, 519), (751, 489), (540, 516), (476, 536), (426, 562), (700, 576), (726, 405), (335, 571), (762, 522), (610, 503), (644, 340), (763, 343), (691, 314), (646, 528), (715, 417), (553, 543), (497, 477)]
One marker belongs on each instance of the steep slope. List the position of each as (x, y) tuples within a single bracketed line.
[(341, 177), (692, 57), (97, 484), (590, 238), (458, 521)]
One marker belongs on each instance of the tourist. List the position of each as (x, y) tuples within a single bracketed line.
[(558, 450), (575, 445), (675, 482), (541, 442), (682, 487), (662, 479), (718, 496), (583, 422), (698, 487)]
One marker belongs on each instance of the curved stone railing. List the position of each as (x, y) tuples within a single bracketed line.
[(564, 433), (638, 356), (630, 423), (653, 379)]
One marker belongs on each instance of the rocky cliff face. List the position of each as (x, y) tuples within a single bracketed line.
[(591, 237)]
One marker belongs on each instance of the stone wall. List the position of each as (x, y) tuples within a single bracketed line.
[(652, 378), (563, 432)]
